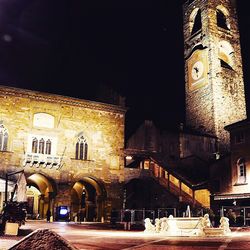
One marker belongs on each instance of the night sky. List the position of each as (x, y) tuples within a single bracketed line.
[(71, 47)]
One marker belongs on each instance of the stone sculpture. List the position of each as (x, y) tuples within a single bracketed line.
[(149, 227), (224, 224), (157, 225), (164, 225), (172, 226)]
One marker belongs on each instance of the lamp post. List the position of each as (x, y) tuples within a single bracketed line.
[(6, 183)]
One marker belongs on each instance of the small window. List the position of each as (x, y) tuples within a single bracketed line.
[(3, 138), (226, 54), (41, 146), (223, 64), (221, 20), (239, 138), (34, 145), (48, 147), (197, 23), (81, 149), (241, 165)]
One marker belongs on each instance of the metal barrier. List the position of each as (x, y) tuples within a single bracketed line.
[(137, 216)]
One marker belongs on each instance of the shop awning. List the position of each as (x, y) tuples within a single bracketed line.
[(231, 196)]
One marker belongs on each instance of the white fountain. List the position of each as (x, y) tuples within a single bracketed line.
[(187, 226)]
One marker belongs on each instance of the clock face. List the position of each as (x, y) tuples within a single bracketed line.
[(197, 70)]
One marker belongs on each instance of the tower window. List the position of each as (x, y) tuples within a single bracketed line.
[(226, 54), (3, 138), (223, 64), (196, 22), (81, 149), (221, 20), (241, 165)]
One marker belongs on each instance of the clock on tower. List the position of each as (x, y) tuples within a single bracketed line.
[(197, 70), (214, 87)]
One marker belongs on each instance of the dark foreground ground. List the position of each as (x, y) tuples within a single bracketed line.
[(102, 236)]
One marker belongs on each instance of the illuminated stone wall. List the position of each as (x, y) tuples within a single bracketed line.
[(222, 100), (102, 125), (240, 150)]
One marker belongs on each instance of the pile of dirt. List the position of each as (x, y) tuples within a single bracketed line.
[(43, 239)]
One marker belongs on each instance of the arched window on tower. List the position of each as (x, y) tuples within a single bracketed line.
[(81, 149), (222, 20), (34, 145), (3, 138), (195, 21), (41, 146), (226, 55), (241, 168)]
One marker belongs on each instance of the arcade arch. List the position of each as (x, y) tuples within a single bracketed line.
[(40, 193), (88, 196)]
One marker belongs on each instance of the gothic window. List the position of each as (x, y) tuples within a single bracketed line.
[(41, 146), (81, 149), (222, 19), (34, 145), (48, 147), (195, 21), (241, 165), (3, 138)]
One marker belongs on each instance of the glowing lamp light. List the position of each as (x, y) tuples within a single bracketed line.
[(63, 211), (129, 157)]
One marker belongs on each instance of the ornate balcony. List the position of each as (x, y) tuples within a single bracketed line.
[(41, 160)]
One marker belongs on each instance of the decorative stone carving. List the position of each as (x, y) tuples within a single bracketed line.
[(172, 225), (224, 224), (164, 225), (157, 225), (149, 227)]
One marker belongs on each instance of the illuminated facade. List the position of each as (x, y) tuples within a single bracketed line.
[(232, 187), (213, 68), (71, 151)]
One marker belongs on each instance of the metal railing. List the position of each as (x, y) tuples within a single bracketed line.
[(137, 216)]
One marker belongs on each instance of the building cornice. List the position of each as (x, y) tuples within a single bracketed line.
[(54, 98)]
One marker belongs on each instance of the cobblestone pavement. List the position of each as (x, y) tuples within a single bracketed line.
[(97, 236)]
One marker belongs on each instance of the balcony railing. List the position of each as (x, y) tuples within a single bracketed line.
[(41, 160)]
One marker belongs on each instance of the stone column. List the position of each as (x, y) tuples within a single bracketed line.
[(180, 193), (168, 176), (50, 204), (41, 206), (193, 196)]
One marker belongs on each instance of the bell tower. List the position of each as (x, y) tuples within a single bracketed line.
[(214, 86)]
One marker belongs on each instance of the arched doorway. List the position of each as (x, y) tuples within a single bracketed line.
[(40, 193), (87, 199)]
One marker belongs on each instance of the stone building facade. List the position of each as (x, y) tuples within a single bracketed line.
[(213, 67), (231, 187), (71, 151)]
